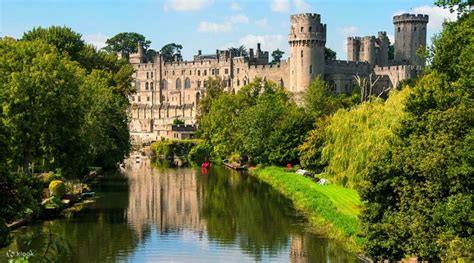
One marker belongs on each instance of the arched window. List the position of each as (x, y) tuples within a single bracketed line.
[(187, 83), (164, 84), (301, 53), (151, 85), (199, 73), (178, 83), (199, 83), (146, 85)]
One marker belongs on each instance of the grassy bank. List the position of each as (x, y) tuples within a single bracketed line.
[(332, 209)]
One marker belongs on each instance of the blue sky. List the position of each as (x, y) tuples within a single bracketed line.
[(212, 24)]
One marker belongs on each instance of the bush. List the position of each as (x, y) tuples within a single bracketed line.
[(199, 153), (57, 188), (234, 158)]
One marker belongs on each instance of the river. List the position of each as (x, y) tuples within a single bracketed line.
[(145, 214)]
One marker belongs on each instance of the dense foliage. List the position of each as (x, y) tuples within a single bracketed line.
[(63, 108), (419, 192), (260, 121)]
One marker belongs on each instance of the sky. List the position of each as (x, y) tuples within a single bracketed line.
[(208, 25)]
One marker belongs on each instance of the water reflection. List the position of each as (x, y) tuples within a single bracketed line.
[(150, 215)]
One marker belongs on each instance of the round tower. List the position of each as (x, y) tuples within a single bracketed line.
[(307, 40), (410, 35)]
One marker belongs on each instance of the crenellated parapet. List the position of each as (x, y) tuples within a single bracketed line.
[(403, 18)]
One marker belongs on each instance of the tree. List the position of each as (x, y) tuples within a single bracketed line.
[(150, 55), (215, 88), (461, 6), (63, 38), (171, 52), (391, 52), (419, 191), (329, 54), (277, 55), (40, 90), (126, 42), (319, 100), (240, 51)]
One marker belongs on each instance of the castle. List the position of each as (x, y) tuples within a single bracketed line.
[(166, 91)]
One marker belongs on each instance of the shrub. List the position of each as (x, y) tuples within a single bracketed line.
[(199, 153), (234, 158), (57, 188)]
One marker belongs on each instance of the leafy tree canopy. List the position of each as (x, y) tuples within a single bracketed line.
[(276, 56), (171, 51), (126, 42), (329, 54)]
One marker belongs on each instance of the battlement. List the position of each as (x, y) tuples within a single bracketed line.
[(410, 18), (382, 34), (345, 63), (203, 62), (306, 16)]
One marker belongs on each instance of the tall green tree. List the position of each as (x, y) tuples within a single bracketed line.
[(126, 42), (238, 51), (63, 38), (171, 51), (276, 56), (329, 54)]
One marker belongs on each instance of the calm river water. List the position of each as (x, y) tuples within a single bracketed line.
[(145, 214)]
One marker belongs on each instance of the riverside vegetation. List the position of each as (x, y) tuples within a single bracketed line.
[(63, 109), (402, 166)]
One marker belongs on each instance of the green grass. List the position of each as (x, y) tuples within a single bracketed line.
[(332, 209)]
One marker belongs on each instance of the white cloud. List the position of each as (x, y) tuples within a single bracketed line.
[(347, 31), (97, 39), (269, 42), (263, 23), (214, 27), (185, 5), (235, 6), (239, 19), (281, 6), (437, 15), (226, 26), (301, 6), (227, 46)]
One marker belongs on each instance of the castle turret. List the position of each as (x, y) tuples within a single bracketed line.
[(307, 40), (382, 51), (139, 57), (410, 35)]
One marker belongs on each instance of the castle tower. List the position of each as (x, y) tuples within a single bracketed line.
[(353, 48), (139, 57), (307, 40), (410, 35), (367, 50), (382, 51)]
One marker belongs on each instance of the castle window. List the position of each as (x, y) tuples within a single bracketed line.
[(133, 98), (199, 84), (398, 29), (302, 28), (238, 83), (147, 75), (310, 69), (310, 29), (226, 71), (205, 73), (238, 70), (139, 98), (301, 53), (151, 74), (190, 72), (205, 83), (164, 84), (173, 72), (415, 29), (147, 98), (178, 83), (199, 73), (187, 83), (151, 85), (146, 86), (212, 71), (217, 71)]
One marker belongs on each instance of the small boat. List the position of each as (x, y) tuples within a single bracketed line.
[(235, 166)]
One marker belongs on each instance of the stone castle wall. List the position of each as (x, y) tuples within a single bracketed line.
[(172, 90)]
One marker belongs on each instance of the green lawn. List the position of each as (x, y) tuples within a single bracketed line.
[(332, 206)]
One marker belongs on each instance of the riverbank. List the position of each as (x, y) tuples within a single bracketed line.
[(334, 207)]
